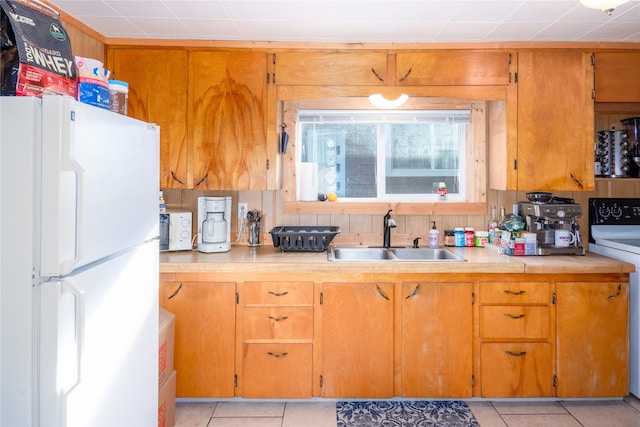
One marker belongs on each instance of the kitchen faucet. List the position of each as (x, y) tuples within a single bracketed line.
[(389, 223)]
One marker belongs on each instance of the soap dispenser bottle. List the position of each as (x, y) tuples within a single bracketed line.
[(434, 236)]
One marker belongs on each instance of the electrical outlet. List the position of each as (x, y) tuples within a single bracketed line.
[(243, 209)]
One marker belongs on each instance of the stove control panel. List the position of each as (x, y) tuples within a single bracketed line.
[(614, 211)]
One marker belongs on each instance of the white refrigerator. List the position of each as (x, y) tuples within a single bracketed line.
[(79, 265)]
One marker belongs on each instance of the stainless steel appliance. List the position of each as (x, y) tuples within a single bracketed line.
[(175, 231), (214, 224), (546, 215), (614, 231), (79, 265)]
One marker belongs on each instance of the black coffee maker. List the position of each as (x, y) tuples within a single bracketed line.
[(632, 126)]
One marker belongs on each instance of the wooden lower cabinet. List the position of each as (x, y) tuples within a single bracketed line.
[(275, 339), (436, 340), (593, 340), (204, 335), (520, 369), (357, 340)]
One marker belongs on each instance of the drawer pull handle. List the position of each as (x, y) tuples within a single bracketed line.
[(508, 292), (175, 292), (617, 294), (277, 355), (280, 294), (518, 354), (277, 319), (514, 316), (414, 293)]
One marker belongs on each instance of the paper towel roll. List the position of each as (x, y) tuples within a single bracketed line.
[(307, 181)]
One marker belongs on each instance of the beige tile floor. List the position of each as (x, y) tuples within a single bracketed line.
[(322, 413)]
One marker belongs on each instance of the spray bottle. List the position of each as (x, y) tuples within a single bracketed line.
[(434, 236)]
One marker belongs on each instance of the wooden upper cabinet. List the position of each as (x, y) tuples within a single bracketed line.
[(227, 119), (616, 76), (331, 68), (555, 127), (158, 93), (453, 68)]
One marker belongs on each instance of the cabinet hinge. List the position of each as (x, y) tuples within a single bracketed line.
[(515, 164), (267, 164), (321, 381), (510, 59), (553, 298), (274, 59), (473, 298), (268, 78), (593, 94), (555, 381), (235, 380), (321, 298), (237, 298), (473, 381), (593, 60), (515, 77)]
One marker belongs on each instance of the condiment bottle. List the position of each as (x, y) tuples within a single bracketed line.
[(449, 238), (434, 236), (458, 234), (469, 236)]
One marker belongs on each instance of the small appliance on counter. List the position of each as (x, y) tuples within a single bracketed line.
[(554, 220), (175, 231), (214, 224)]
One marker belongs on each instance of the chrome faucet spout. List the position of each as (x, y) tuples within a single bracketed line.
[(389, 223)]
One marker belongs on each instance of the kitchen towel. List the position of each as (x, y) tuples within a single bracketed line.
[(307, 181), (405, 413)]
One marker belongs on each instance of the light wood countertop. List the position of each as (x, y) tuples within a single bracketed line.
[(268, 259)]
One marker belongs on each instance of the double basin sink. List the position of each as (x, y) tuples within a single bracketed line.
[(372, 254)]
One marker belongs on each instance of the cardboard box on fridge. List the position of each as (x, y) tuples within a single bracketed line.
[(166, 341), (167, 401)]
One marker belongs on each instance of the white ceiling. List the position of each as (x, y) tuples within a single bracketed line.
[(353, 21)]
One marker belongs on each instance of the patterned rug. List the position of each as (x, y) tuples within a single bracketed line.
[(423, 413)]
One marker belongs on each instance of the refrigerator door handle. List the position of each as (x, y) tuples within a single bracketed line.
[(72, 352)]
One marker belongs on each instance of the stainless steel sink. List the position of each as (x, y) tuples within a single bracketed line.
[(369, 254)]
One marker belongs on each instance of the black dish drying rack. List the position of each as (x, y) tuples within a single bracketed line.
[(303, 239)]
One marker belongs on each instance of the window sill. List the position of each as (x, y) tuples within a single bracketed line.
[(380, 208)]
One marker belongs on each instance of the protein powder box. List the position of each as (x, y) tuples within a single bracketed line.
[(36, 51)]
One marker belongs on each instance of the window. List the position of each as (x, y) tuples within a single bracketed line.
[(372, 155)]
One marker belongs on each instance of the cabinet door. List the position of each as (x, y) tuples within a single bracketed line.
[(453, 68), (436, 340), (555, 121), (615, 78), (227, 120), (331, 68), (593, 339), (357, 340), (158, 93), (204, 336)]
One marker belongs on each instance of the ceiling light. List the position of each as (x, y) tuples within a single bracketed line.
[(381, 102), (606, 6)]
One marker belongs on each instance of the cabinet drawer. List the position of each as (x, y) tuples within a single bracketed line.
[(278, 293), (277, 322), (276, 370), (516, 370), (510, 322), (515, 293)]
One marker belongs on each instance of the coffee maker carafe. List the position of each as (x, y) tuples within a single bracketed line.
[(214, 224)]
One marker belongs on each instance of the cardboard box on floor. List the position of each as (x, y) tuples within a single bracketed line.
[(165, 344), (167, 402)]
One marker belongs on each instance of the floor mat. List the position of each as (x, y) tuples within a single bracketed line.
[(419, 413)]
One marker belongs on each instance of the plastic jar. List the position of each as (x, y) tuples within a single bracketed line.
[(449, 238), (458, 234), (119, 96), (482, 238), (469, 236)]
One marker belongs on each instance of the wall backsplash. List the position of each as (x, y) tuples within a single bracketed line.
[(367, 229)]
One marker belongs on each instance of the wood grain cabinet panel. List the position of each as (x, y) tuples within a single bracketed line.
[(516, 370), (436, 337), (593, 341), (227, 119), (515, 322), (616, 76), (158, 94), (453, 68), (357, 340), (204, 336), (331, 68)]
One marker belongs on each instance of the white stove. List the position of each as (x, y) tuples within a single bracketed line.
[(614, 231)]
